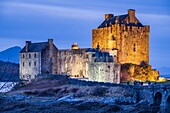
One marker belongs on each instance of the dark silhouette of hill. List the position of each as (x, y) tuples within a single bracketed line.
[(9, 72), (10, 54)]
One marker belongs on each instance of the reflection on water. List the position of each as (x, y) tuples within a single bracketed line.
[(6, 86)]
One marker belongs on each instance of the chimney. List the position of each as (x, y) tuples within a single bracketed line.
[(107, 16), (50, 42), (131, 13), (27, 45)]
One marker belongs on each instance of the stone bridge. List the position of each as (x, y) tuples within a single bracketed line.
[(157, 94)]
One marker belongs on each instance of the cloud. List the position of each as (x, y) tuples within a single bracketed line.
[(154, 18), (10, 42), (18, 8)]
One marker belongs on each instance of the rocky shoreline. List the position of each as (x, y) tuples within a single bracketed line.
[(56, 95)]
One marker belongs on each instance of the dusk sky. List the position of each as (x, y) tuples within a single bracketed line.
[(68, 21)]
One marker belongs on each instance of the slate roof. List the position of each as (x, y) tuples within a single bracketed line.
[(35, 47), (91, 50), (112, 20)]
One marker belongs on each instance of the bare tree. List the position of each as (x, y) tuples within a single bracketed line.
[(8, 68)]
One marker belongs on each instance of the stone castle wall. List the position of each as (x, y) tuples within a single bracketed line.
[(30, 65), (104, 72), (131, 41), (49, 60), (73, 62)]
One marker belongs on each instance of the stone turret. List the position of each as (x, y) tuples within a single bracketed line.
[(75, 46)]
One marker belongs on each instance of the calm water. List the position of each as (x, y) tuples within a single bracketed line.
[(6, 86)]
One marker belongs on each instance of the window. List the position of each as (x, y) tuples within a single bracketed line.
[(34, 63), (35, 55), (29, 55), (134, 47), (23, 64), (29, 76), (23, 56), (130, 27), (29, 63), (23, 76)]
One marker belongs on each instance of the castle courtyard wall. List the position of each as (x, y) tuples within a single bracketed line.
[(104, 72)]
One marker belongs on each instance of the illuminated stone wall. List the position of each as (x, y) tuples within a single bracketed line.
[(73, 62), (30, 65), (44, 61), (104, 72), (132, 41)]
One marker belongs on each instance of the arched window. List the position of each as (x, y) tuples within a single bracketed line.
[(134, 47), (113, 38)]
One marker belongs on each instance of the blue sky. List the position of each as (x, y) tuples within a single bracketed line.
[(68, 21)]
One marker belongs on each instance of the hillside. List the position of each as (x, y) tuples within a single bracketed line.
[(9, 71), (10, 54)]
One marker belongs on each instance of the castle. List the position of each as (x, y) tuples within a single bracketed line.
[(118, 40), (46, 58), (124, 36)]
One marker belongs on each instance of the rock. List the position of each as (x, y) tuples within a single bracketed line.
[(125, 101), (112, 108), (86, 105), (138, 72), (142, 102)]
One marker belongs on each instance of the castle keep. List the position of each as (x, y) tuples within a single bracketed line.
[(124, 36)]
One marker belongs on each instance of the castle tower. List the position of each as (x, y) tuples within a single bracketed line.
[(126, 34)]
